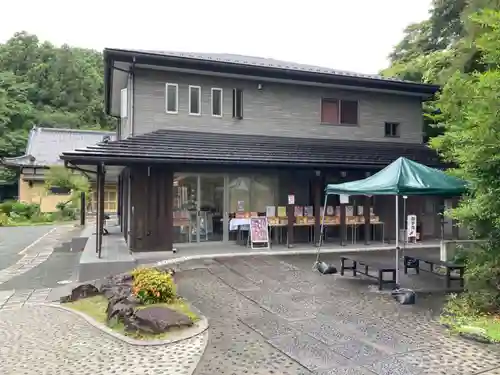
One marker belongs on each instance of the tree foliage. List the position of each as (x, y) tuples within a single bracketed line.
[(45, 85)]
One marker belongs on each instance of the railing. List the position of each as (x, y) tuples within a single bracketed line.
[(449, 248)]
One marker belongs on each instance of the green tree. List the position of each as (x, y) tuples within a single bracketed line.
[(470, 119)]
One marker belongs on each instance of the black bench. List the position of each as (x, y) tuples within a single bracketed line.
[(413, 262), (362, 266)]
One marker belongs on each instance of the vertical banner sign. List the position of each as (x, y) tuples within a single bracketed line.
[(291, 199), (412, 226), (259, 232)]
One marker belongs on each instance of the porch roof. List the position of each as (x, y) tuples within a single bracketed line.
[(182, 147)]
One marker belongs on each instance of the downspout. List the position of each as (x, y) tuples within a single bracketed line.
[(132, 95)]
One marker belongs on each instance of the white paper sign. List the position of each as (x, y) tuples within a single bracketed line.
[(291, 199), (412, 226), (344, 199)]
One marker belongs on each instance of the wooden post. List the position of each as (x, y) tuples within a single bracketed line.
[(82, 208), (317, 207), (101, 208), (366, 214), (168, 188), (98, 210)]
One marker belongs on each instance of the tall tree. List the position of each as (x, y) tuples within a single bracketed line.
[(45, 85)]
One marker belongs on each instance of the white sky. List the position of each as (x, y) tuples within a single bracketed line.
[(355, 35)]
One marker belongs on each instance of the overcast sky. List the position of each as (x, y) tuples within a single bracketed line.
[(355, 35)]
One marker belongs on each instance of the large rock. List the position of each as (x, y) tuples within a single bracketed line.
[(156, 319), (81, 291), (475, 334), (121, 309)]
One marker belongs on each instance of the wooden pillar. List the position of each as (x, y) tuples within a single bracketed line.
[(366, 214), (168, 220), (119, 201), (343, 225), (318, 190), (101, 207), (455, 229), (98, 211), (291, 220)]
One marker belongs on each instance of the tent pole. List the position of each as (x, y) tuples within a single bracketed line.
[(397, 241), (320, 242)]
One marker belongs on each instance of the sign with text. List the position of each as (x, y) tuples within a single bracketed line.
[(259, 231), (344, 199), (291, 199), (412, 226)]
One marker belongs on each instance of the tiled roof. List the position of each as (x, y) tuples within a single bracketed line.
[(242, 60), (45, 145), (172, 146)]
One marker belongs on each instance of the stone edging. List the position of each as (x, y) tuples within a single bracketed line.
[(198, 328)]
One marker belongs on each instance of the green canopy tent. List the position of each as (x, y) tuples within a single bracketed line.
[(401, 178)]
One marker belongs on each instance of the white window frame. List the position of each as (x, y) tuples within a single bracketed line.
[(167, 85), (199, 100), (221, 101), (123, 102)]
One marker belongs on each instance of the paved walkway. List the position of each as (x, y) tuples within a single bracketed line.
[(35, 253), (271, 315), (39, 340)]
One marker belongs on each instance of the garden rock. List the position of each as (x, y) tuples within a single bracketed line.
[(156, 319), (121, 309), (326, 269), (81, 291), (475, 334)]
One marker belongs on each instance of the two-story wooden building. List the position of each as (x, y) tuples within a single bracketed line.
[(205, 138)]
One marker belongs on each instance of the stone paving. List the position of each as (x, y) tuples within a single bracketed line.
[(37, 253), (273, 315), (41, 340)]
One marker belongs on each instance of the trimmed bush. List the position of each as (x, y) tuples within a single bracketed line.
[(153, 286)]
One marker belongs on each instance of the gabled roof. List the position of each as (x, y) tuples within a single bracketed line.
[(45, 145), (181, 147)]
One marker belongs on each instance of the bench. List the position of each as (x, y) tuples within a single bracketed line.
[(413, 262), (362, 266)]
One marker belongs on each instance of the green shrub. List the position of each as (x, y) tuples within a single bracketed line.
[(153, 286), (4, 219), (67, 211), (42, 218), (25, 210), (6, 207)]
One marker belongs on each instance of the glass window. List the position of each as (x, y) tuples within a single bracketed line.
[(217, 102), (252, 193), (195, 100), (172, 93)]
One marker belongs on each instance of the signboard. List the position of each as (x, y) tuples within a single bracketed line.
[(344, 199), (291, 199), (412, 226), (259, 231)]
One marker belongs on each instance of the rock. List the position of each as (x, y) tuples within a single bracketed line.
[(121, 280), (475, 334), (121, 309), (404, 296), (81, 291), (156, 319)]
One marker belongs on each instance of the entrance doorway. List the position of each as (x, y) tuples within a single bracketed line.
[(200, 208)]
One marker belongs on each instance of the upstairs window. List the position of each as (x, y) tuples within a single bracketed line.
[(335, 111), (217, 102), (172, 98), (123, 103), (238, 103), (392, 129), (195, 100)]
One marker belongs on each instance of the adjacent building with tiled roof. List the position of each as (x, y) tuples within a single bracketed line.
[(43, 150)]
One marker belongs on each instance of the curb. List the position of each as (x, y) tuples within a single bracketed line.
[(197, 329)]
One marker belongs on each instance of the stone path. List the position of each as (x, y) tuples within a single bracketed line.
[(12, 299), (39, 340), (36, 254), (271, 315)]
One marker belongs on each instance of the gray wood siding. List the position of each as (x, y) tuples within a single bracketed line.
[(278, 109)]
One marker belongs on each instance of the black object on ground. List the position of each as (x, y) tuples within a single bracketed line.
[(381, 269), (325, 268), (404, 296)]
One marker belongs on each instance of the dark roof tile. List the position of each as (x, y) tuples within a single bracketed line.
[(172, 146)]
